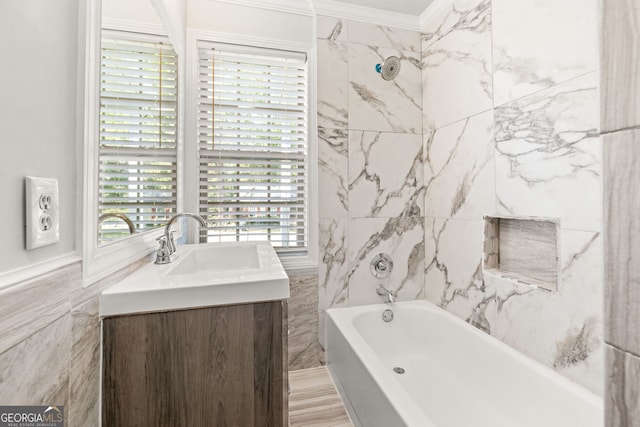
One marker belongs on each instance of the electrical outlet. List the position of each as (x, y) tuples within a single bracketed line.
[(42, 211)]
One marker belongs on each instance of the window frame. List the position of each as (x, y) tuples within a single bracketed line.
[(293, 264), (127, 37), (100, 261)]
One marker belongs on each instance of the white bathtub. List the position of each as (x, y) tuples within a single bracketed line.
[(455, 375)]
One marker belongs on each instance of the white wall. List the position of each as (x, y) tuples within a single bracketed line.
[(247, 21), (38, 43), (130, 10)]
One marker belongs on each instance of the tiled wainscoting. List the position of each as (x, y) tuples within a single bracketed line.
[(50, 341), (49, 347), (303, 322)]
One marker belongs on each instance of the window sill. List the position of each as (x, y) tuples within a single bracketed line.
[(299, 266)]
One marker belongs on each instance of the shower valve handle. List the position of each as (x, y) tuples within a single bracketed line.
[(381, 266)]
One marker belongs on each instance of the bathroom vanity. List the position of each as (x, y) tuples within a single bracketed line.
[(198, 342)]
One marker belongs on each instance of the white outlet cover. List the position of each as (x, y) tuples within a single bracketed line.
[(42, 211)]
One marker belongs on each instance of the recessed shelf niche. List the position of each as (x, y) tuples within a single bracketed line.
[(525, 250)]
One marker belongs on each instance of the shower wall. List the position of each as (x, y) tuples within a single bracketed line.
[(371, 193), (510, 99), (620, 115)]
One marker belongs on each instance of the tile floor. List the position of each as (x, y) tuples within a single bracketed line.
[(314, 400)]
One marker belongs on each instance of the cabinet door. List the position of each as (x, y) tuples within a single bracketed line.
[(218, 366)]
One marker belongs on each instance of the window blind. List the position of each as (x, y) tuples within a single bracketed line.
[(252, 145), (138, 134)]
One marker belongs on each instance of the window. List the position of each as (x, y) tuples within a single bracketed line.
[(138, 133), (253, 146)]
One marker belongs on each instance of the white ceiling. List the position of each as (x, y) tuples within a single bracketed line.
[(409, 7)]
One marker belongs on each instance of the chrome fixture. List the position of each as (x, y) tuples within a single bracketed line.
[(132, 228), (381, 266), (167, 250), (387, 315), (391, 295), (390, 68)]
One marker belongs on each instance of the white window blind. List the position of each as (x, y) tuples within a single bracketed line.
[(252, 139), (138, 134)]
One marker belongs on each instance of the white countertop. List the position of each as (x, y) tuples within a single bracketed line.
[(155, 288)]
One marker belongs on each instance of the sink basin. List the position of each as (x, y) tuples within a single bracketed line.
[(203, 275), (217, 259)]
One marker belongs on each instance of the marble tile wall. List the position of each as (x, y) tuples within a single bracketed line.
[(49, 348), (511, 129), (371, 160), (303, 345), (620, 121)]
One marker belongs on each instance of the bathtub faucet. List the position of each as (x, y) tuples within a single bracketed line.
[(391, 295)]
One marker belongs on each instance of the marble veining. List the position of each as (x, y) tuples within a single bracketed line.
[(566, 333), (36, 371), (527, 59), (330, 28), (333, 162), (30, 306), (383, 36), (380, 105), (457, 14), (463, 51), (400, 237), (385, 174), (333, 83), (511, 130), (459, 169), (303, 322), (578, 344), (333, 280), (548, 159), (84, 375)]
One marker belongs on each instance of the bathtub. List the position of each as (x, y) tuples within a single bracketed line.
[(454, 375)]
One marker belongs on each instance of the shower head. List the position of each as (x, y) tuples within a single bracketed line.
[(390, 68)]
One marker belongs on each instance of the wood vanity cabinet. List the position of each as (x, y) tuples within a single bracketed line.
[(210, 367)]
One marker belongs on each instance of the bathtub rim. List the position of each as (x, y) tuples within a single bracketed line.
[(401, 400)]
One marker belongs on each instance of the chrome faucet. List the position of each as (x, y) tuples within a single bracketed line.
[(132, 228), (391, 295), (167, 250)]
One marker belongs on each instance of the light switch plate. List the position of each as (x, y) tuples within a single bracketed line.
[(42, 211)]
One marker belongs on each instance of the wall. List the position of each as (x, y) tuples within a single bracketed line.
[(248, 21), (50, 351), (49, 348), (620, 121), (510, 94), (37, 118), (370, 156)]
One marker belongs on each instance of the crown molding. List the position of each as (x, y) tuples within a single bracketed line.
[(298, 7), (366, 14), (433, 11)]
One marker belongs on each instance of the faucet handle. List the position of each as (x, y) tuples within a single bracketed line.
[(163, 254)]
